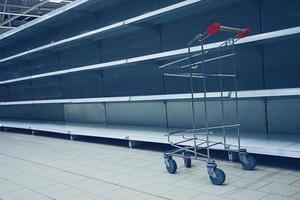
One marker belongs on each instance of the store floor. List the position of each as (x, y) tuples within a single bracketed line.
[(37, 168)]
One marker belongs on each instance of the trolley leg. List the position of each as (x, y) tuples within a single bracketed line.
[(232, 156)]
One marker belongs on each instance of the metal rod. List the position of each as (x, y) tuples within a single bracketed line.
[(205, 102), (18, 14), (183, 75), (24, 12), (231, 29), (198, 75), (182, 59), (236, 95), (208, 60), (222, 98), (215, 127), (192, 95)]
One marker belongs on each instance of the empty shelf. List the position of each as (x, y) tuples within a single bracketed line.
[(259, 143), (117, 28), (226, 94), (69, 10), (160, 56)]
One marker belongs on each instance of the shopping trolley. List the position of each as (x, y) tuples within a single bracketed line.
[(195, 143)]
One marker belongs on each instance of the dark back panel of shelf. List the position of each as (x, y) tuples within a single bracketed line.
[(47, 88), (48, 62), (176, 34), (20, 91), (85, 113), (280, 14), (281, 60), (144, 114), (83, 85), (51, 112), (22, 112), (139, 79), (18, 69), (129, 45), (77, 56), (283, 116), (252, 114), (126, 10)]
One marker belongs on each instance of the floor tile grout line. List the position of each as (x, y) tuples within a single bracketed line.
[(86, 176), (296, 194), (29, 188), (294, 182)]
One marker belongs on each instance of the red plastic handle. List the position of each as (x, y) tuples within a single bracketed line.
[(216, 27)]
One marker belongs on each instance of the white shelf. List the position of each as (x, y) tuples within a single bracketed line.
[(123, 27), (160, 56), (227, 94), (259, 143), (69, 10)]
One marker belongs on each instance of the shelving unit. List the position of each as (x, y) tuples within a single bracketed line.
[(266, 139), (258, 143), (150, 19), (259, 38), (69, 10)]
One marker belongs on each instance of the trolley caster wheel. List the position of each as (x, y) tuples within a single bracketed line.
[(216, 175), (219, 178), (250, 164), (248, 161), (171, 165), (187, 160)]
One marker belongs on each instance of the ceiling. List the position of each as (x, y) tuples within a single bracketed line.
[(14, 13)]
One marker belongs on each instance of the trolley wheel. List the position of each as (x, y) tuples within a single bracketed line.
[(171, 165), (187, 161), (250, 165), (220, 177)]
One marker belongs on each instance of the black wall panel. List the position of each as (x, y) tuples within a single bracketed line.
[(22, 112), (83, 85), (282, 64), (47, 88), (176, 34), (51, 112), (80, 55), (140, 79), (4, 93), (164, 3), (125, 10), (19, 46), (49, 62), (131, 45), (20, 91), (5, 112), (279, 14), (45, 36), (18, 69), (81, 24)]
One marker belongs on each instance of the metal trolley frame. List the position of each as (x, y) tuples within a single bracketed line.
[(188, 143)]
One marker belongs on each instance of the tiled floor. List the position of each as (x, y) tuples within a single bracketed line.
[(37, 168)]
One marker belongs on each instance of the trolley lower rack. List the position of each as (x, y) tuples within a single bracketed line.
[(184, 149)]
